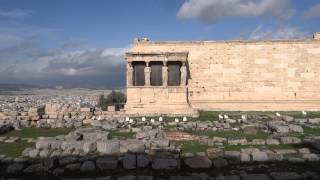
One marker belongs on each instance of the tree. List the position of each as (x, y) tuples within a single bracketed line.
[(115, 98)]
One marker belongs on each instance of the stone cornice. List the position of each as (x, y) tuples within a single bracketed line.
[(157, 56)]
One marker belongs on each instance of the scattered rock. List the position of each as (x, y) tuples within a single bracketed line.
[(232, 177), (129, 161), (258, 142), (245, 157), (285, 176), (108, 147), (290, 140), (250, 130), (272, 142), (132, 146), (106, 163), (220, 163), (260, 156), (73, 167), (214, 153), (87, 166), (15, 168), (295, 128), (198, 162), (67, 160), (165, 164), (143, 160)]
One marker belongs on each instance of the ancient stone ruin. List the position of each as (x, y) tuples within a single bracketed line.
[(181, 77)]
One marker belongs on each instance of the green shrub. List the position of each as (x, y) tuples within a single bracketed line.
[(115, 98)]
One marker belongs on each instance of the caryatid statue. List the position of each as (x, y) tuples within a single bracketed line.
[(165, 74), (147, 74), (129, 74), (183, 71)]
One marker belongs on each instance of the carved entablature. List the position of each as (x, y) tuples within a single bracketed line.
[(157, 56)]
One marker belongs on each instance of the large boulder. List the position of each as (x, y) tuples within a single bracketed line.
[(270, 141), (214, 153), (255, 177), (160, 142), (233, 156), (251, 130), (43, 144), (96, 136), (295, 128), (33, 153), (67, 160), (132, 145), (290, 140), (151, 134), (5, 128), (198, 162), (129, 177), (281, 129), (143, 160), (105, 163), (245, 157), (89, 147), (285, 176), (108, 147), (220, 163), (237, 141), (258, 142), (73, 167), (231, 177), (87, 166), (15, 168), (165, 164), (72, 145), (314, 121), (259, 156), (287, 118), (34, 168), (129, 161)]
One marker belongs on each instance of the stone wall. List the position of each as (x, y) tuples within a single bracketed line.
[(248, 75), (151, 100)]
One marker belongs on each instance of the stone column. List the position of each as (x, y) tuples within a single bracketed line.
[(165, 74), (147, 74), (183, 71), (129, 74)]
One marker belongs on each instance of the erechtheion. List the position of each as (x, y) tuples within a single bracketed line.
[(181, 77)]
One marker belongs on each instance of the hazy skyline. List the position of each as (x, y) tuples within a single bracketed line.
[(82, 43)]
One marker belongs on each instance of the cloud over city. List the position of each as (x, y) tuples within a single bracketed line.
[(24, 58)]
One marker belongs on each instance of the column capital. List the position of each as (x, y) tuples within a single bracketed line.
[(165, 63)]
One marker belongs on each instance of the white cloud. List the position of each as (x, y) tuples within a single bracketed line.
[(313, 12), (38, 55), (15, 13), (8, 40), (25, 60), (286, 32), (87, 62), (214, 10)]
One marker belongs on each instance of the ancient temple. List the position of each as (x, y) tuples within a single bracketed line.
[(182, 77)]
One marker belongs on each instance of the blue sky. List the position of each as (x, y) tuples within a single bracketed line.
[(82, 42)]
